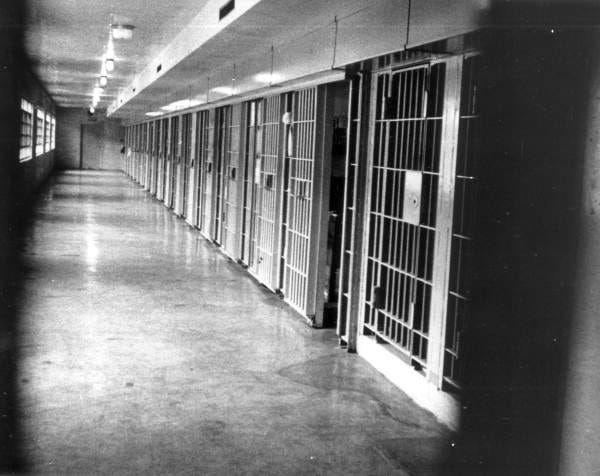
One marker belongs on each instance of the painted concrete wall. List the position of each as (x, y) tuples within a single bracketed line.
[(101, 145), (87, 142), (531, 401), (581, 414)]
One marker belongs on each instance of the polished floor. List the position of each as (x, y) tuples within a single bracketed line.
[(145, 351)]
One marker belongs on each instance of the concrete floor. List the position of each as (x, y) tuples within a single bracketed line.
[(145, 351)]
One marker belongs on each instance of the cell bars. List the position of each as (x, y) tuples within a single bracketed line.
[(462, 225), (298, 195), (153, 155), (186, 152), (162, 174), (175, 153), (248, 192), (402, 214), (207, 172), (200, 154), (223, 115), (352, 165), (230, 182), (266, 166)]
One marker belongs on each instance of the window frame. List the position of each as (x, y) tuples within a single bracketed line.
[(39, 132), (26, 131)]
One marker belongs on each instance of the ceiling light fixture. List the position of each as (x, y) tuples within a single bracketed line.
[(227, 90), (103, 81), (122, 31), (110, 55), (182, 104)]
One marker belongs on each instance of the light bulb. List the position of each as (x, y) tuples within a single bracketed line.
[(92, 110)]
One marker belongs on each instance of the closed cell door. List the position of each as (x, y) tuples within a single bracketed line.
[(175, 145), (265, 206), (230, 233), (223, 116), (248, 189), (186, 148), (266, 213), (200, 154), (164, 148), (402, 267), (207, 172)]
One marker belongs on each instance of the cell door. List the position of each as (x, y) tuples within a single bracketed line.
[(230, 232), (155, 149), (175, 153), (298, 197), (200, 145), (207, 173), (266, 197), (151, 138), (186, 151), (403, 220), (248, 190), (164, 146), (223, 116)]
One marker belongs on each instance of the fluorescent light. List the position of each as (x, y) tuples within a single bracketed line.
[(110, 49), (110, 64), (227, 90), (183, 104), (154, 113), (268, 78), (103, 81), (122, 32)]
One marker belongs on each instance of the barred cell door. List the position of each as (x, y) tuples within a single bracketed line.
[(207, 172), (405, 226), (223, 116), (230, 233), (164, 144), (298, 197), (200, 149), (186, 151), (175, 157), (249, 183), (266, 198)]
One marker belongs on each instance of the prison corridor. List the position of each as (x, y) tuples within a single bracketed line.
[(144, 350)]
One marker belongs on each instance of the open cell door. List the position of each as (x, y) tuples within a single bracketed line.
[(305, 200), (409, 247)]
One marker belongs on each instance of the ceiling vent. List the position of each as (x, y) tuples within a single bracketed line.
[(226, 9)]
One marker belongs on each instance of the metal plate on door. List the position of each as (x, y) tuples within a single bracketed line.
[(413, 184)]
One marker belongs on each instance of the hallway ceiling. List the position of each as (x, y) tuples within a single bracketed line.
[(65, 40)]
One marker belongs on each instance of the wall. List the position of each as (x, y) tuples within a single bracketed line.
[(99, 146), (533, 328)]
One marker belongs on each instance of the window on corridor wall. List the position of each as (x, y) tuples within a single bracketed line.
[(39, 133), (47, 132), (53, 134), (26, 139)]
